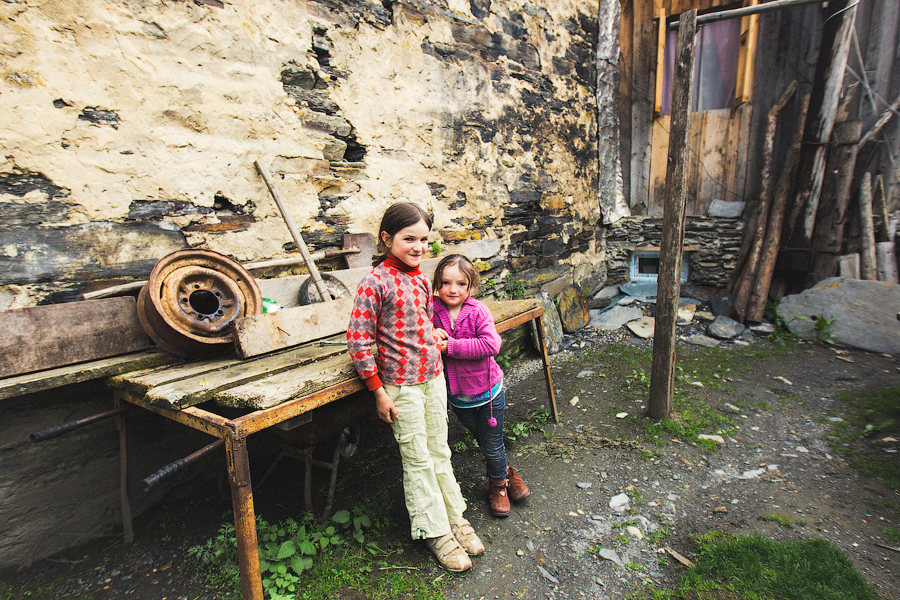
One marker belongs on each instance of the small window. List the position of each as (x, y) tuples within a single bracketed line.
[(645, 266), (716, 66)]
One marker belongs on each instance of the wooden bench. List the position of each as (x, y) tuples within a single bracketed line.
[(276, 389)]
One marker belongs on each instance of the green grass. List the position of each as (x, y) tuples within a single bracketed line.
[(776, 518), (872, 415), (754, 568)]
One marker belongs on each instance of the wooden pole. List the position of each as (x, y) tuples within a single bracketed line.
[(867, 229), (757, 305), (668, 285), (745, 285), (831, 220), (879, 206), (837, 32), (324, 294)]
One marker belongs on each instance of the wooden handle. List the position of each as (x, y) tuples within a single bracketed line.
[(301, 245)]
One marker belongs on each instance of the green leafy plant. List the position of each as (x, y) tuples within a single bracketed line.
[(504, 358), (514, 288), (539, 417), (436, 247)]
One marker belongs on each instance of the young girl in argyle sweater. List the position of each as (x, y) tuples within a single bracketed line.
[(392, 311), (469, 342)]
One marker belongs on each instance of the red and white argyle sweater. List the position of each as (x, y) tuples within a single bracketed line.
[(392, 310)]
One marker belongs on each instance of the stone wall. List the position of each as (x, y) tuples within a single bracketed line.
[(138, 124), (717, 242), (132, 131)]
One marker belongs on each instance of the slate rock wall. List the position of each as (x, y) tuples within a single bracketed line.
[(717, 240)]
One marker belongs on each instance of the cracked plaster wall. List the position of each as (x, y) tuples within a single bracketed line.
[(136, 125)]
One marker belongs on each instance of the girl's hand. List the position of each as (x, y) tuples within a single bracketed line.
[(384, 406), (441, 336)]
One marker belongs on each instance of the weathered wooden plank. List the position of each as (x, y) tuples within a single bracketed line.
[(659, 146), (281, 387), (202, 387), (642, 106), (713, 182), (46, 337), (507, 309), (867, 233), (273, 331), (741, 158), (692, 163), (831, 64), (138, 383), (19, 385), (626, 69)]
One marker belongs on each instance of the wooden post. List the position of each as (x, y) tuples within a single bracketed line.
[(879, 207), (757, 305), (867, 229), (643, 50), (828, 80), (828, 237), (745, 284), (668, 285)]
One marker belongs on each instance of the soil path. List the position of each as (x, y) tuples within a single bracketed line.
[(773, 475)]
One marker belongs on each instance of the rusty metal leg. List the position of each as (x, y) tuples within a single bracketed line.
[(244, 517), (547, 378), (127, 525)]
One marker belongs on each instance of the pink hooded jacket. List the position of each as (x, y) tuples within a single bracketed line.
[(471, 348)]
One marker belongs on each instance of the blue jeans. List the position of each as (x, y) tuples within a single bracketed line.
[(490, 439)]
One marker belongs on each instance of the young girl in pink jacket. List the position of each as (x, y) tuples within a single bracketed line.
[(468, 343)]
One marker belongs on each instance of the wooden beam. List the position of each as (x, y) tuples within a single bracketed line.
[(750, 58), (642, 105), (668, 283), (660, 61), (745, 284), (55, 335), (766, 270), (867, 230), (828, 80)]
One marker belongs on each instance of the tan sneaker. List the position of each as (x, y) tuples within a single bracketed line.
[(449, 553), (466, 537)]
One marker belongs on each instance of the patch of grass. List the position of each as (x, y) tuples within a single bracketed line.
[(891, 534), (755, 568), (872, 415), (302, 560), (537, 420), (514, 288), (780, 519)]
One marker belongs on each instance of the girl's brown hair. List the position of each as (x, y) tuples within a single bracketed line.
[(465, 267), (398, 216)]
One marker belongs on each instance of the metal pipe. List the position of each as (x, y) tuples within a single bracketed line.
[(173, 468), (57, 430), (748, 10)]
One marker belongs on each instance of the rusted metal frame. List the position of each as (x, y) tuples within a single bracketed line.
[(173, 468), (55, 431), (193, 417), (244, 516), (261, 419), (124, 500)]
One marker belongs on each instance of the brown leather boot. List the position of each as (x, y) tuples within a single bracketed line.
[(516, 487), (497, 498)]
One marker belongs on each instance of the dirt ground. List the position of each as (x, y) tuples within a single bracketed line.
[(565, 541)]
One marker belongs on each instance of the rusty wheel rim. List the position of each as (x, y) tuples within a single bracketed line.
[(191, 299)]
